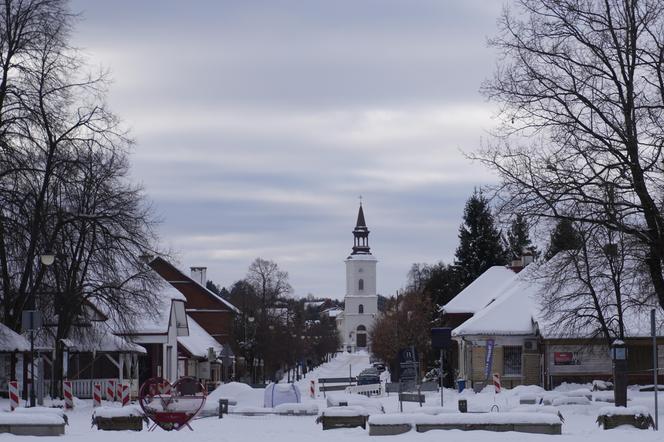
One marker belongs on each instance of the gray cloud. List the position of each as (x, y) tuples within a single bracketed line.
[(259, 123)]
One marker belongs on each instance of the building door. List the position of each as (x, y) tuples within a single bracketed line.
[(361, 339)]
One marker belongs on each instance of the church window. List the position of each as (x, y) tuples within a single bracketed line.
[(361, 328), (360, 309), (360, 284)]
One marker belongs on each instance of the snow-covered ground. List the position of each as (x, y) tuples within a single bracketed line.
[(579, 419)]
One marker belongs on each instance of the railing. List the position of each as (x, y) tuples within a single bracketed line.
[(367, 390), (82, 388)]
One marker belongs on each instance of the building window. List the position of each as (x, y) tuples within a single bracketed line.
[(360, 284), (360, 309), (512, 361)]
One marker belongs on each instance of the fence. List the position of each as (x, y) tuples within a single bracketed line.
[(82, 388)]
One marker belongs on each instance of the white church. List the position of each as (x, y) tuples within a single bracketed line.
[(360, 301)]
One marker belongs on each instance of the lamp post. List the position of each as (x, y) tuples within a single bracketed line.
[(31, 320), (619, 357)]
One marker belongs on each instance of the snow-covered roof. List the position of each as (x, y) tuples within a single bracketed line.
[(157, 318), (517, 308), (10, 341), (481, 291), (510, 312), (100, 338), (198, 341), (226, 303), (332, 312)]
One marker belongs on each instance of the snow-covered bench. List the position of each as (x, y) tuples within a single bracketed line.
[(388, 424), (32, 423), (637, 416), (303, 409), (118, 418), (343, 417)]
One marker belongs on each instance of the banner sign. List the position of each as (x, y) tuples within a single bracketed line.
[(488, 359), (563, 358)]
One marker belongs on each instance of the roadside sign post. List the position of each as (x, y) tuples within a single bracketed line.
[(441, 338)]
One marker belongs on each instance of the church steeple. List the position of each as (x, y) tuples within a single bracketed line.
[(361, 235)]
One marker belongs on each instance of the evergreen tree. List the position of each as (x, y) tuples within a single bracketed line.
[(480, 245), (563, 237), (518, 238)]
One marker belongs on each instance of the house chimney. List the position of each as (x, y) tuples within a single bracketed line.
[(199, 274), (527, 257)]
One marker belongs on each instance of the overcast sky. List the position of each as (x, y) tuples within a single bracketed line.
[(259, 123)]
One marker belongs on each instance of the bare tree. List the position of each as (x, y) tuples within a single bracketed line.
[(581, 85), (269, 282), (597, 290), (64, 182)]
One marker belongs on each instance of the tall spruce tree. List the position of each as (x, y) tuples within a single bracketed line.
[(480, 245), (518, 238), (563, 237)]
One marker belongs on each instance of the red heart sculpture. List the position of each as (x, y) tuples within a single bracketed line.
[(171, 406)]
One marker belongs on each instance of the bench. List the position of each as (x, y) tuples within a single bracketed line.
[(343, 417)]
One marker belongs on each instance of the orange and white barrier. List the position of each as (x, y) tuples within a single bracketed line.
[(496, 382), (96, 394), (13, 395), (69, 396), (312, 389), (118, 391), (110, 390)]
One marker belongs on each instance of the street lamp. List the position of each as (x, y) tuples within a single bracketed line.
[(619, 357), (31, 320)]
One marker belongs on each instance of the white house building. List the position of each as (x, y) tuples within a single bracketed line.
[(360, 301)]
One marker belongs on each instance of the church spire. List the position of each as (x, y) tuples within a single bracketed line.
[(361, 235)]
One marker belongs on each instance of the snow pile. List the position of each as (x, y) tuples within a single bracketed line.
[(31, 419), (464, 418), (635, 410), (308, 408), (41, 410), (110, 412), (372, 405), (579, 392), (235, 392), (571, 400), (252, 410), (599, 385), (348, 411), (536, 409)]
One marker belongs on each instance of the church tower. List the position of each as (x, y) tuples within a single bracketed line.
[(361, 301)]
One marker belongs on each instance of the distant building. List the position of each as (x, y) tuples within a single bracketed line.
[(361, 301)]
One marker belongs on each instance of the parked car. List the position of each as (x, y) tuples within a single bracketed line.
[(368, 377), (379, 366)]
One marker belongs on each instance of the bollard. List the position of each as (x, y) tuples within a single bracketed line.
[(223, 407), (312, 389), (463, 406), (13, 395), (125, 394), (496, 382), (69, 396), (96, 394), (110, 390)]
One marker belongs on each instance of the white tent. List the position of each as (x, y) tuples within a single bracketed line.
[(276, 394)]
